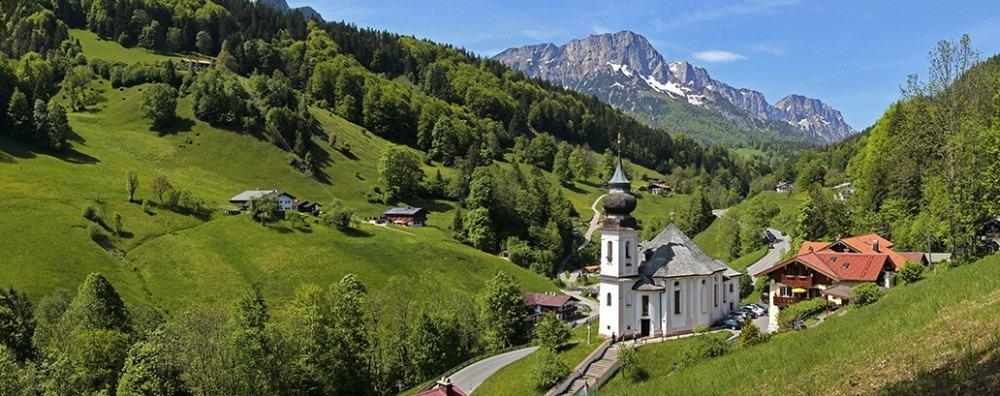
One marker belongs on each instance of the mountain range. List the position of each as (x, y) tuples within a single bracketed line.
[(624, 70), (282, 6)]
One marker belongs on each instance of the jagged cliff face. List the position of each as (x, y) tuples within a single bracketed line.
[(282, 6), (624, 70)]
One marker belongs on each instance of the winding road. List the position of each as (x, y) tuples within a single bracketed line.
[(773, 255), (591, 227), (469, 378)]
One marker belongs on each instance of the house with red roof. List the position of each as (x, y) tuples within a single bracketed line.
[(540, 304), (444, 387)]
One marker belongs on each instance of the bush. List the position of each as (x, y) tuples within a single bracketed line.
[(911, 272), (159, 105), (706, 348), (551, 332), (95, 233), (339, 216), (90, 213), (746, 286), (750, 335), (628, 358), (548, 370), (864, 294), (800, 310)]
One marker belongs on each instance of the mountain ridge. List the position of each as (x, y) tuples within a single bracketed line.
[(625, 70)]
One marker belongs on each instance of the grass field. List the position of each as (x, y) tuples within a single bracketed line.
[(514, 379), (658, 360), (97, 47), (938, 336)]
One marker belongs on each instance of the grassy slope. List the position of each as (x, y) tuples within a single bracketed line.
[(788, 206), (939, 336), (515, 379), (109, 50), (658, 359)]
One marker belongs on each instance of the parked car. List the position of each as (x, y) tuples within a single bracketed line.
[(732, 323), (749, 311), (757, 309), (739, 315)]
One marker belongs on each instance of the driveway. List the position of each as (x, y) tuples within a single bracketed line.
[(472, 376), (773, 255)]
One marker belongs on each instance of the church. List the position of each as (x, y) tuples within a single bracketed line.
[(664, 286)]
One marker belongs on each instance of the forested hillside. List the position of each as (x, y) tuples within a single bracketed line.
[(926, 174)]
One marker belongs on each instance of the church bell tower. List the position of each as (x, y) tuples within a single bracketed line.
[(619, 256)]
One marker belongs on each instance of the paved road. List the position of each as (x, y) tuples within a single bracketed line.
[(472, 376), (773, 256)]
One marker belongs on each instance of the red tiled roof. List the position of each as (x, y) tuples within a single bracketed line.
[(916, 257), (816, 246), (863, 244), (443, 388), (546, 300), (860, 267)]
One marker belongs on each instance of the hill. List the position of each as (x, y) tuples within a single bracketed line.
[(938, 336)]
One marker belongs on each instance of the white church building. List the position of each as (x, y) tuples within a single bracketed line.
[(663, 286)]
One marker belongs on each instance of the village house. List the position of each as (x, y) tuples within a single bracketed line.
[(304, 206), (667, 285), (408, 216), (197, 64), (285, 200), (831, 270), (783, 187), (540, 304), (656, 186), (444, 387)]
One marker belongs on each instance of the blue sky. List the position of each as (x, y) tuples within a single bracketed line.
[(852, 54)]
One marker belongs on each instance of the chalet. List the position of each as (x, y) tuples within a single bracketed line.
[(843, 191), (444, 387), (783, 187), (304, 206), (541, 304), (197, 64), (870, 243), (655, 186), (285, 200), (408, 216)]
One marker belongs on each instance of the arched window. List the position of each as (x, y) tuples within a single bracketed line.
[(609, 251), (715, 294), (628, 249), (677, 298), (609, 299)]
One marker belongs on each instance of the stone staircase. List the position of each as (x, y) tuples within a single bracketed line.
[(597, 371)]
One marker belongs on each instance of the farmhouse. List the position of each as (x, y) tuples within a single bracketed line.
[(655, 186), (304, 206), (664, 286), (783, 187), (285, 200), (540, 304), (408, 216), (197, 64)]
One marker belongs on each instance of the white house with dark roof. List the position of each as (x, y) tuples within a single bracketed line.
[(664, 286), (285, 200)]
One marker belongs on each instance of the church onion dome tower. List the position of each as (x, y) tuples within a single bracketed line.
[(619, 202)]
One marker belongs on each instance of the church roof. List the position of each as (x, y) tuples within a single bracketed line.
[(673, 254), (646, 283), (619, 176)]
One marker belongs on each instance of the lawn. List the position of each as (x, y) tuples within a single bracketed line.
[(658, 360), (96, 47), (938, 336), (514, 379)]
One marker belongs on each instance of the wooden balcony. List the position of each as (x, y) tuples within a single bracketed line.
[(786, 301), (803, 281)]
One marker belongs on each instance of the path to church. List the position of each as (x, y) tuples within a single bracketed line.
[(594, 222)]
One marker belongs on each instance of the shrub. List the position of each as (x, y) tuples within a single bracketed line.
[(548, 370), (706, 348), (145, 207), (911, 272), (551, 332), (750, 335), (864, 294), (90, 213), (800, 310), (339, 216), (297, 221), (95, 233), (628, 358)]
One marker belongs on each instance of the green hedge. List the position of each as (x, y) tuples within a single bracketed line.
[(800, 310)]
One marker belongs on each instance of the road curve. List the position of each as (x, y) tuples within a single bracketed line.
[(773, 255), (469, 378)]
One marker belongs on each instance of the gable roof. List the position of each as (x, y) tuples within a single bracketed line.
[(808, 246), (547, 300), (859, 244), (916, 257), (443, 388), (407, 211), (249, 195), (860, 267), (673, 254)]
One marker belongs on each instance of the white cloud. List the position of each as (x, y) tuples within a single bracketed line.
[(715, 12), (718, 56), (770, 49)]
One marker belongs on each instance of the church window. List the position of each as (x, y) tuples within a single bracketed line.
[(677, 298), (715, 294), (628, 249), (609, 299), (609, 251)]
